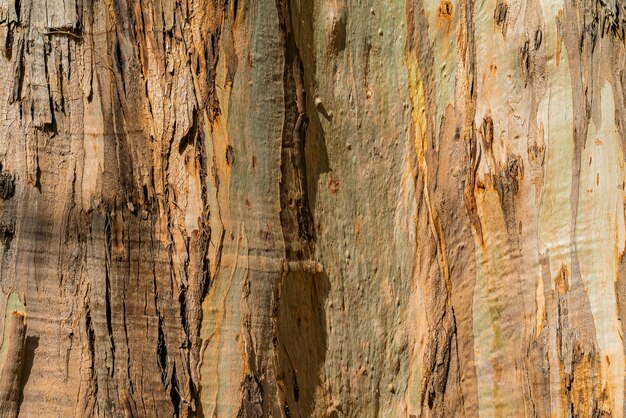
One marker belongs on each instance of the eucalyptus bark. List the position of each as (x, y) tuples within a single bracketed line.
[(320, 208)]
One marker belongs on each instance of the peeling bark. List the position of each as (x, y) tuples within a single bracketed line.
[(312, 208), (12, 357)]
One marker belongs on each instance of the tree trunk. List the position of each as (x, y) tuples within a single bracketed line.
[(329, 208)]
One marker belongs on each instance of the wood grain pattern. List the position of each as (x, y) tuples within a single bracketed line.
[(327, 208)]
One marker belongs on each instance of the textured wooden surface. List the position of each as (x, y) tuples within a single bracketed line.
[(312, 208)]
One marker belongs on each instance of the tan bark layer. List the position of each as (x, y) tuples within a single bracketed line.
[(12, 358), (312, 208)]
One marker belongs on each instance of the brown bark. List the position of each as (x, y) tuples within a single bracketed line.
[(312, 208), (12, 359)]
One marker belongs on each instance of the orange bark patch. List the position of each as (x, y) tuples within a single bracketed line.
[(445, 10), (444, 13), (333, 184)]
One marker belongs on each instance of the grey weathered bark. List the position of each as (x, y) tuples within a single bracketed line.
[(312, 208)]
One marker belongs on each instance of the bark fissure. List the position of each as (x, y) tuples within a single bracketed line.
[(294, 180), (313, 208)]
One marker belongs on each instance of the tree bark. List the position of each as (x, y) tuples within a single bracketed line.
[(329, 208)]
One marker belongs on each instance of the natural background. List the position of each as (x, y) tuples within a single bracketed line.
[(329, 208)]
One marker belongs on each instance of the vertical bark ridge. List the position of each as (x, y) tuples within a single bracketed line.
[(313, 208), (12, 356)]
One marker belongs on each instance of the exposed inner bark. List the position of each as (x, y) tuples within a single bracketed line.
[(312, 208)]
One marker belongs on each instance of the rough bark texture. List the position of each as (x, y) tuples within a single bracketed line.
[(12, 357), (326, 208)]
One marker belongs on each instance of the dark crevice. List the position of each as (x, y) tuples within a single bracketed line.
[(182, 300), (189, 138), (230, 155), (8, 43), (18, 9), (174, 395), (51, 127), (107, 298), (91, 337), (119, 61), (146, 200), (162, 351), (294, 127), (235, 9), (91, 344)]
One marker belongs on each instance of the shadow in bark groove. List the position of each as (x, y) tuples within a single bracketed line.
[(315, 145), (31, 344), (302, 338)]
